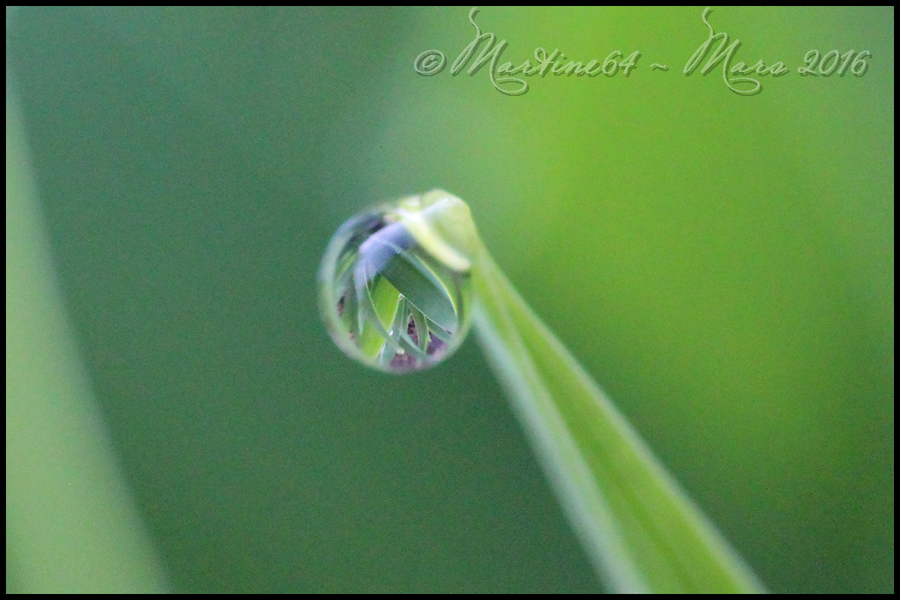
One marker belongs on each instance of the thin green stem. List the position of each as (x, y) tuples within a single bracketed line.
[(641, 531)]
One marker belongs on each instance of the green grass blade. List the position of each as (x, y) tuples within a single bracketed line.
[(71, 524), (640, 530)]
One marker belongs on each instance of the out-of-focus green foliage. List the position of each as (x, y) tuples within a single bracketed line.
[(70, 525), (730, 255)]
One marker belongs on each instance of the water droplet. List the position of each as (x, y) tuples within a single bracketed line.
[(394, 294)]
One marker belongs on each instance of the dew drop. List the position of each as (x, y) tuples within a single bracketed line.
[(393, 294)]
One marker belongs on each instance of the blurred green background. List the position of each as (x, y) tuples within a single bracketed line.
[(722, 265)]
